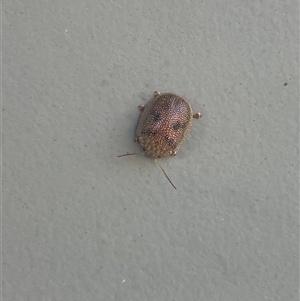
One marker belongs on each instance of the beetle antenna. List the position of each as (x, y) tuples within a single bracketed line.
[(165, 173), (131, 154)]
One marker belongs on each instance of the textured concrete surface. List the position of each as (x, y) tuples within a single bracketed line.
[(80, 223)]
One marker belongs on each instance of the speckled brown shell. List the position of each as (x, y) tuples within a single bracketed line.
[(165, 122)]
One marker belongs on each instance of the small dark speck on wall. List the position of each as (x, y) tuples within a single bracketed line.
[(285, 84)]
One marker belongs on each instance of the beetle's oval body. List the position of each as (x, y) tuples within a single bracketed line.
[(164, 124)]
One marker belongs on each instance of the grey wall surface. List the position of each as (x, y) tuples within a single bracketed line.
[(80, 223)]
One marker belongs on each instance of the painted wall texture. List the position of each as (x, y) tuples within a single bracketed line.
[(80, 223)]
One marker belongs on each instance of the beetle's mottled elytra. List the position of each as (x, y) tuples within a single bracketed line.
[(164, 124)]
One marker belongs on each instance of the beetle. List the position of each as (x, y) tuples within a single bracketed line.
[(164, 124)]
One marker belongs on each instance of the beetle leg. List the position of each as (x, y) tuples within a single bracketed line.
[(197, 115)]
